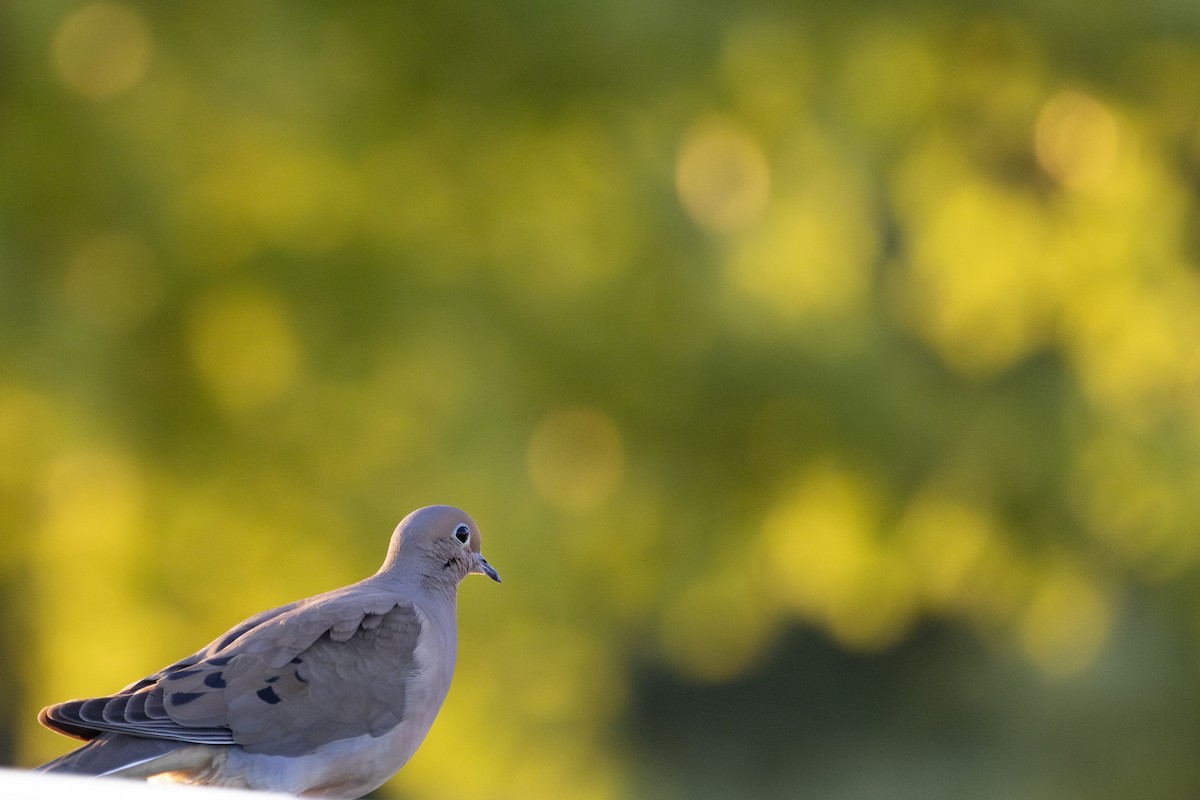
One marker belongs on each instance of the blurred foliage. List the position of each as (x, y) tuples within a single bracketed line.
[(724, 320)]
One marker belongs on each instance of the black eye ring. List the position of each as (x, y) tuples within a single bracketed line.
[(462, 533)]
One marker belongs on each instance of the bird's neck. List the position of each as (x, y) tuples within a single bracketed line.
[(432, 577)]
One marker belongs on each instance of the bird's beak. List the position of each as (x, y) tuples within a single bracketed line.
[(482, 567)]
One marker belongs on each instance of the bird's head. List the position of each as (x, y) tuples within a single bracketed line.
[(438, 540)]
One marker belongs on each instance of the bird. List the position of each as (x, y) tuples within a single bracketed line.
[(324, 697)]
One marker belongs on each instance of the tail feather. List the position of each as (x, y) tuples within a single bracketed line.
[(121, 755)]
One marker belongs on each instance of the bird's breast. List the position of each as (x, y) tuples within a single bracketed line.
[(352, 767)]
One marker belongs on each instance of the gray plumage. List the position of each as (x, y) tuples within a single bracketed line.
[(328, 696)]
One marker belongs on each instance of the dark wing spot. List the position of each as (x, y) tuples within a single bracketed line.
[(268, 695), (219, 661), (183, 698), (297, 660), (183, 673), (214, 680), (272, 679), (300, 677)]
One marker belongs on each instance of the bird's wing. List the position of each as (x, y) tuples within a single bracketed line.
[(284, 682)]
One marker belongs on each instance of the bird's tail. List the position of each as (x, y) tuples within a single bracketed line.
[(125, 756)]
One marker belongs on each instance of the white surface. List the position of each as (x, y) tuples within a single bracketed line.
[(19, 785)]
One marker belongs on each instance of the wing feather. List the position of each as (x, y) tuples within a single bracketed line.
[(284, 681)]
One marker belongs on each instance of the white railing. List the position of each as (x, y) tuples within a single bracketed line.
[(20, 785)]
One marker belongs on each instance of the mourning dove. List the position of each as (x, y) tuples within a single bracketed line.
[(324, 697)]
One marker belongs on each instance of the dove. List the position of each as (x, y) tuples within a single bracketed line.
[(324, 697)]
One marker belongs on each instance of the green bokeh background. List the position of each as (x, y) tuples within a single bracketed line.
[(825, 377)]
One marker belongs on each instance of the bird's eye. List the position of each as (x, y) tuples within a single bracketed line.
[(462, 533)]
